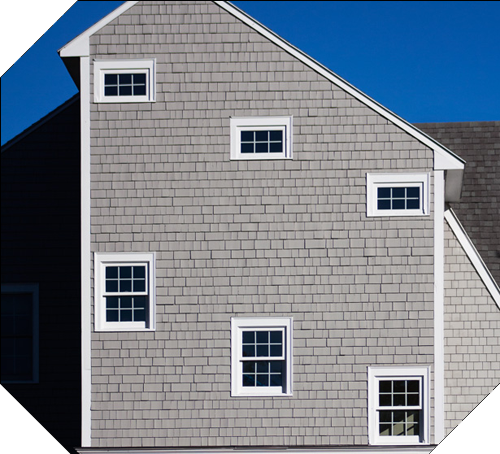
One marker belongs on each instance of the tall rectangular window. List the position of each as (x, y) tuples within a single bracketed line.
[(19, 333), (261, 356), (399, 405), (124, 292)]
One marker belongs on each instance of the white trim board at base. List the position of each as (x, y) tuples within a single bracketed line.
[(283, 450)]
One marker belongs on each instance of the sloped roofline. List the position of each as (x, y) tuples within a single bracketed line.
[(40, 122), (444, 159), (473, 254)]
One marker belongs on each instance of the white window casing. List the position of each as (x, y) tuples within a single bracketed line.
[(283, 358), (402, 182), (145, 67), (413, 374), (283, 126), (102, 294)]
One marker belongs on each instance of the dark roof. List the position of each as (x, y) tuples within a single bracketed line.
[(478, 143)]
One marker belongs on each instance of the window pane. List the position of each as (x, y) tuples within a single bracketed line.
[(111, 272), (384, 193), (139, 90), (112, 315), (262, 350), (413, 204), (125, 302), (276, 350), (110, 79), (126, 315), (385, 386), (110, 91), (276, 147), (262, 136), (413, 400), (398, 204), (276, 136), (413, 193), (261, 147), (384, 205), (125, 79), (247, 136), (247, 148), (398, 193), (385, 400), (125, 90), (112, 302), (248, 351), (248, 337), (125, 272), (262, 337)]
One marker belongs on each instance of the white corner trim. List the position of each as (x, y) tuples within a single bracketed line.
[(79, 46), (439, 414), (473, 254), (446, 158), (85, 250)]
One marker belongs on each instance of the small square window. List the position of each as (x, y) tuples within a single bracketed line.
[(261, 138), (124, 81), (19, 333), (125, 292), (397, 194), (398, 405), (261, 362)]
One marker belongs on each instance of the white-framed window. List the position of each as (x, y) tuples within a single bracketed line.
[(261, 138), (125, 294), (261, 356), (119, 81), (397, 194), (398, 407), (19, 333)]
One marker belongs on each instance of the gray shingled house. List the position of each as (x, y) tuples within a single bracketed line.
[(267, 258)]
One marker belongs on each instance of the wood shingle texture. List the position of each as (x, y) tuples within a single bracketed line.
[(478, 143)]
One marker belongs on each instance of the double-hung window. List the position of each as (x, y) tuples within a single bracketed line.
[(397, 194), (399, 405), (124, 292), (261, 356), (124, 81), (261, 138), (19, 333)]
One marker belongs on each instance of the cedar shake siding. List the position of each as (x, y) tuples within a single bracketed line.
[(477, 142), (472, 341), (282, 238), (40, 245)]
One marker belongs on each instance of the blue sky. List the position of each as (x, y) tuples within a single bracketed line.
[(426, 61)]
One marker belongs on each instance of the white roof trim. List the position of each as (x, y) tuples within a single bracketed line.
[(285, 450), (473, 255), (444, 158), (79, 46)]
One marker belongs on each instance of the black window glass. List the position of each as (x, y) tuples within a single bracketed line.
[(139, 90), (261, 147), (247, 147), (384, 204), (140, 79), (125, 79), (125, 90), (111, 91), (262, 136), (413, 192), (247, 136), (126, 315), (276, 136), (112, 315), (384, 193), (111, 79), (398, 193), (398, 204), (275, 147)]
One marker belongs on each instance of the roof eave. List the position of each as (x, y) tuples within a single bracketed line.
[(80, 46)]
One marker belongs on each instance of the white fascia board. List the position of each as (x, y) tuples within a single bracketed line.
[(473, 255), (79, 46), (442, 156)]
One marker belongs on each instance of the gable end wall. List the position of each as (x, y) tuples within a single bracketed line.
[(283, 238)]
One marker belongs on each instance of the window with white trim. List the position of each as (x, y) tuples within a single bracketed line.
[(124, 81), (261, 138), (19, 333), (261, 356), (125, 292), (398, 405), (397, 194)]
